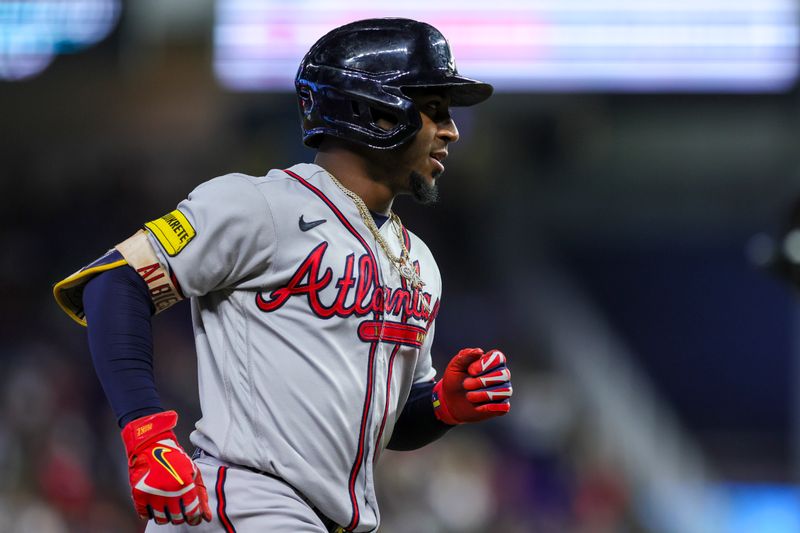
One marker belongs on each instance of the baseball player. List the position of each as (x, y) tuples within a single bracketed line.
[(313, 307)]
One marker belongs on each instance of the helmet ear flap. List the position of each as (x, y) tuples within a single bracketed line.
[(354, 109)]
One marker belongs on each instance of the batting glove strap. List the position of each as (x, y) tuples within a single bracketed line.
[(165, 484), (142, 431), (440, 407), (475, 386)]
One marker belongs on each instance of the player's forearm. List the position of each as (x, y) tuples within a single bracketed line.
[(417, 425), (118, 311)]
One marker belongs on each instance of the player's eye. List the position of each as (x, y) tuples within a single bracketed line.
[(435, 109)]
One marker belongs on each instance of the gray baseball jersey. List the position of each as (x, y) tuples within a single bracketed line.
[(308, 339)]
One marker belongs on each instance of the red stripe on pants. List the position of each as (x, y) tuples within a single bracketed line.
[(222, 473)]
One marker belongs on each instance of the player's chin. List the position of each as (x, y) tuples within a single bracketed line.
[(423, 188), (432, 173)]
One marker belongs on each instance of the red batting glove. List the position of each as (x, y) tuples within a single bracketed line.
[(166, 485), (475, 386)]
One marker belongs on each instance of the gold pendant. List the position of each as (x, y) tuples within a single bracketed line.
[(410, 274)]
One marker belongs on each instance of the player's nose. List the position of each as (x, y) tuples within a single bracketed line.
[(448, 131)]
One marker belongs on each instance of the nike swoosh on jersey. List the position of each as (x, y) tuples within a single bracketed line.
[(305, 226), (158, 455)]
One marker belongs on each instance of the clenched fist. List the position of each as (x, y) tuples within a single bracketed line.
[(475, 386)]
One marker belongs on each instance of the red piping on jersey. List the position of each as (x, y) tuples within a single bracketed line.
[(392, 332), (433, 315), (385, 404), (222, 473), (406, 239), (362, 433), (371, 375)]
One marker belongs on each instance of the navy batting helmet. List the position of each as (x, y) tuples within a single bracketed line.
[(357, 73)]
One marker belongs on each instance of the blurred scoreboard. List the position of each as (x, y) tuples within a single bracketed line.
[(539, 45), (34, 32)]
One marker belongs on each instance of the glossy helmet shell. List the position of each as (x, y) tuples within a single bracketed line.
[(358, 72)]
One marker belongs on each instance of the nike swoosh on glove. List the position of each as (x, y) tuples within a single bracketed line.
[(475, 386), (165, 484)]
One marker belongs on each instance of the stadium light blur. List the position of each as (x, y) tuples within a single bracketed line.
[(539, 45), (761, 508), (33, 32)]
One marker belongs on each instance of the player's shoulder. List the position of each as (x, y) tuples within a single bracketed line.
[(234, 182), (269, 185), (286, 179), (286, 176), (303, 170)]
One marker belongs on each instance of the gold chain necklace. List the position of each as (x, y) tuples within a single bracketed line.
[(402, 263)]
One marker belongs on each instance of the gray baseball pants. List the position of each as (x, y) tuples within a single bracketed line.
[(245, 501)]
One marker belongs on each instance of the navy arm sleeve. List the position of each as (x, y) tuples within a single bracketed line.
[(118, 312), (417, 425)]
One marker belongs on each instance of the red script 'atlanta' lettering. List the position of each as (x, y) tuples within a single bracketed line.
[(310, 279)]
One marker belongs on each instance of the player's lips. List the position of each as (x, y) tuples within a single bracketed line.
[(439, 156)]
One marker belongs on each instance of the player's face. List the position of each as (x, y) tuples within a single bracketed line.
[(419, 163), (428, 150)]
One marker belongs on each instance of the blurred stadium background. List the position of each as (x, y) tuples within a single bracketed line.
[(605, 219)]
